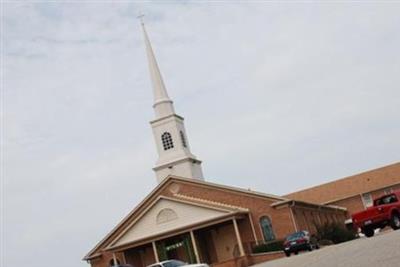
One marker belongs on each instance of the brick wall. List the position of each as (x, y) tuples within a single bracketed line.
[(369, 181), (106, 259), (259, 207), (355, 203)]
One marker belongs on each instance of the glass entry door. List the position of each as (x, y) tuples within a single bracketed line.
[(176, 248)]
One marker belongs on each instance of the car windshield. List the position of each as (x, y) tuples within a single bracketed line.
[(295, 236), (173, 263)]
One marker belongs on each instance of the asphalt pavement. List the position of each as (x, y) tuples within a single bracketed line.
[(382, 250)]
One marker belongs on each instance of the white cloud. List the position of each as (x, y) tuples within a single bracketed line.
[(276, 97)]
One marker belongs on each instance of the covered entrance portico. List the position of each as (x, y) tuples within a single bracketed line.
[(208, 244), (211, 241)]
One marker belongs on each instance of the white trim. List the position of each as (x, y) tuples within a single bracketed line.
[(196, 252), (165, 117), (129, 226), (293, 219), (115, 262), (176, 232), (226, 187), (126, 218), (239, 239), (301, 202), (153, 243), (210, 202), (369, 196), (253, 229), (261, 229), (92, 254), (175, 161)]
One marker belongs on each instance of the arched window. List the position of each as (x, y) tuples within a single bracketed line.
[(166, 215), (183, 138), (266, 227), (167, 141)]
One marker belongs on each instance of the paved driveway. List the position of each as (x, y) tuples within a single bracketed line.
[(382, 250)]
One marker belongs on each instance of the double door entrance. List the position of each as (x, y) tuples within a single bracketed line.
[(216, 243), (177, 247)]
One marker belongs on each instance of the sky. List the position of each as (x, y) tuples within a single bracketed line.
[(277, 97)]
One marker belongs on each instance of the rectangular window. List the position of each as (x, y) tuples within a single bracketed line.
[(388, 191), (367, 200)]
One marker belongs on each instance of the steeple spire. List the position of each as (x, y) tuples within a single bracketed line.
[(163, 105), (174, 156)]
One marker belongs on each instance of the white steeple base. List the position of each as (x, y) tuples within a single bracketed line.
[(186, 167), (176, 160)]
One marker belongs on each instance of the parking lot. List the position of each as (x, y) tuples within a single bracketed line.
[(383, 250)]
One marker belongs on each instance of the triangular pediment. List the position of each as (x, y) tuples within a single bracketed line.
[(165, 215)]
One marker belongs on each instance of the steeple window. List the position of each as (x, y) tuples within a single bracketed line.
[(166, 139), (183, 139)]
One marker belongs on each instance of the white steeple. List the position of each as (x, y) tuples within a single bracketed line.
[(174, 156)]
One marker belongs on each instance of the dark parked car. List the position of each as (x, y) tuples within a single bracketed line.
[(299, 241)]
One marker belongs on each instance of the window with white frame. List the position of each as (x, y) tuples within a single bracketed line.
[(166, 139), (388, 191), (367, 200), (266, 227)]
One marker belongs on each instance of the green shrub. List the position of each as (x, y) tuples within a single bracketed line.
[(276, 245), (335, 232)]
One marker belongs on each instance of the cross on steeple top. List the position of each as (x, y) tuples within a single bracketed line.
[(140, 17)]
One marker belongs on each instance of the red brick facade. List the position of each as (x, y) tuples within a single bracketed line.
[(286, 217), (259, 206), (355, 203), (348, 192)]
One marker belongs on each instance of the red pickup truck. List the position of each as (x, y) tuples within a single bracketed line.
[(385, 211)]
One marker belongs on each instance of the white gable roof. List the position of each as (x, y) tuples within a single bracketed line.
[(167, 214)]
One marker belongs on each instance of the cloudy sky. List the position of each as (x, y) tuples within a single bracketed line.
[(277, 97)]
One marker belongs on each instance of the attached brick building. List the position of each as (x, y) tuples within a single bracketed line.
[(355, 192)]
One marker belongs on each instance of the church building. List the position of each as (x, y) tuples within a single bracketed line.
[(189, 219)]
